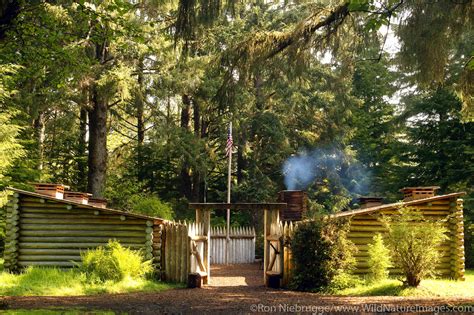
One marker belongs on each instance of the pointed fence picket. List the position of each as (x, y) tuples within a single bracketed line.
[(241, 245)]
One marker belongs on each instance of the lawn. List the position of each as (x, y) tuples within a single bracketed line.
[(57, 282), (427, 288)]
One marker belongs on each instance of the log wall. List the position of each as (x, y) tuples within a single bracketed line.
[(45, 232), (451, 265)]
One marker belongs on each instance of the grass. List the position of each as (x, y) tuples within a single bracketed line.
[(427, 288), (57, 282)]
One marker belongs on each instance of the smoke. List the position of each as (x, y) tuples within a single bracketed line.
[(325, 164), (298, 171)]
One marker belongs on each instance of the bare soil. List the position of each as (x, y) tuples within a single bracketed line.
[(235, 289)]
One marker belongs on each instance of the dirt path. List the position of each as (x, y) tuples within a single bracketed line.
[(236, 289)]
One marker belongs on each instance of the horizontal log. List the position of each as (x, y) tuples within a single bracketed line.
[(37, 199), (380, 229), (48, 258), (83, 245), (81, 233), (367, 217), (84, 227), (361, 241), (369, 235), (441, 202), (435, 208), (51, 251), (73, 220), (366, 222), (79, 239), (38, 205), (46, 263)]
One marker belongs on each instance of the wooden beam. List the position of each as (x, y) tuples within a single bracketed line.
[(238, 206)]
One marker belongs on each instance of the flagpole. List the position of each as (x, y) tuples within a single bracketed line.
[(229, 173)]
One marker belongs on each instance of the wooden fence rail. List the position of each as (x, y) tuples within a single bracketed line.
[(241, 245)]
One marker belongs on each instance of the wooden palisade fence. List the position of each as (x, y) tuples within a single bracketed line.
[(184, 251), (241, 245)]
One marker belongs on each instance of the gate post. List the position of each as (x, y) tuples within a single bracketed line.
[(204, 216), (272, 244)]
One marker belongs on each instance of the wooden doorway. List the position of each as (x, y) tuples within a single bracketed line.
[(273, 242)]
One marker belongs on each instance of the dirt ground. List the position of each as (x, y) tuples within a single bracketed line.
[(235, 289)]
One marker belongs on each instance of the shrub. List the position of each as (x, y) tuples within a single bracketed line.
[(113, 262), (151, 205), (413, 241), (321, 253), (379, 259), (343, 281)]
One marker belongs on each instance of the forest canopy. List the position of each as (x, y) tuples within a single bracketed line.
[(126, 98)]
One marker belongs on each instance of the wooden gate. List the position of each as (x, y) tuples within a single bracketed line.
[(185, 250), (273, 242), (242, 245)]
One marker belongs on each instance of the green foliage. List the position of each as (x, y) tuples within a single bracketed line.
[(38, 281), (344, 280), (430, 288), (113, 262), (151, 205), (321, 254), (379, 259), (169, 102), (413, 242)]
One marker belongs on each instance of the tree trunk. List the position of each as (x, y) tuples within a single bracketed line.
[(241, 160), (39, 127), (259, 97), (97, 159), (139, 103), (185, 112), (186, 182), (81, 151), (413, 280), (196, 118), (197, 178)]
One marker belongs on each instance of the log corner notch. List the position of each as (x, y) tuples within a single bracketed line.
[(12, 233), (457, 236)]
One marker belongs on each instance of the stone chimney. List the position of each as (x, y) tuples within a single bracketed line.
[(369, 202), (414, 193)]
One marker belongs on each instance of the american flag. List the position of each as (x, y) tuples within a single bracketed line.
[(230, 142)]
